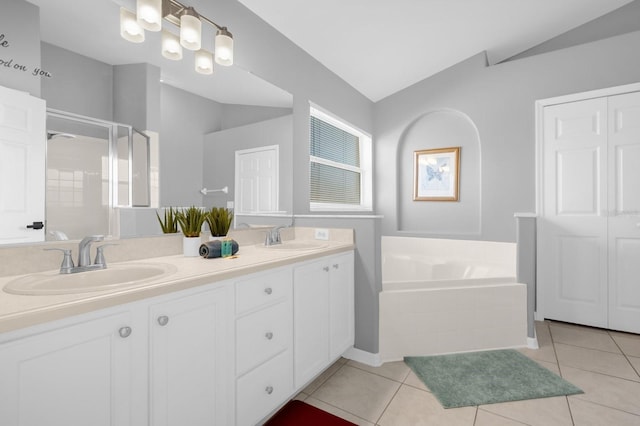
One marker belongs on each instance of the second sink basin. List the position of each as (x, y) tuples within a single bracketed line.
[(115, 276)]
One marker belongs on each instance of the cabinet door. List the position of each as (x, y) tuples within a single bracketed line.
[(76, 375), (311, 325), (341, 309), (190, 354)]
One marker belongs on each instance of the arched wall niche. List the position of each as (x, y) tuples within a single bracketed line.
[(441, 128)]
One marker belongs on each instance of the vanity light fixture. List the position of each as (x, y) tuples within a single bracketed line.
[(149, 16)]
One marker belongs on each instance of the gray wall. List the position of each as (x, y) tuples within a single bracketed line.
[(185, 119), (241, 115), (500, 101), (136, 96), (78, 84), (219, 157), (22, 49)]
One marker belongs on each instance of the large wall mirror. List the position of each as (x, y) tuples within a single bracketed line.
[(233, 110)]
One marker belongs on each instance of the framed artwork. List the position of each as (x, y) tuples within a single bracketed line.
[(436, 174)]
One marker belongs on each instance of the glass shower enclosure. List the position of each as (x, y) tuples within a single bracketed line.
[(92, 166)]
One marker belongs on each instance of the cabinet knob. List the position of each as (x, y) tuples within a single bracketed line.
[(336, 266), (326, 269), (268, 290), (269, 335), (124, 332), (163, 320), (269, 390)]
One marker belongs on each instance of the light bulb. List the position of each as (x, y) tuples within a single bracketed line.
[(190, 29), (204, 62), (149, 14), (224, 47), (171, 48), (129, 28)]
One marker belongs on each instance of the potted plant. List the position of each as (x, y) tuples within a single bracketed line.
[(169, 223), (191, 221), (219, 220)]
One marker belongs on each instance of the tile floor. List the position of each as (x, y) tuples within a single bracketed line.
[(604, 364)]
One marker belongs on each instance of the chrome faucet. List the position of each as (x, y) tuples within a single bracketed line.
[(84, 256), (273, 236), (84, 249)]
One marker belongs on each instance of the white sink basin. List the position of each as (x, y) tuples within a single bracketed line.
[(114, 277), (296, 245)]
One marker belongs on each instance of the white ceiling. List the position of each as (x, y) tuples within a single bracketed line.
[(92, 28), (377, 46), (382, 46)]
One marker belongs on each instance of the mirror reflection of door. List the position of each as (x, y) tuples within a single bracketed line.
[(257, 180)]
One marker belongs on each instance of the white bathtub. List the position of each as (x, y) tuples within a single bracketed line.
[(442, 296)]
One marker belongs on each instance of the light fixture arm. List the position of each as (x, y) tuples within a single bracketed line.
[(172, 10)]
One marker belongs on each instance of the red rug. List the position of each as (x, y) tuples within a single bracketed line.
[(298, 413)]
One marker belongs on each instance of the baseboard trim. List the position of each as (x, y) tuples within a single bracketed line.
[(363, 357)]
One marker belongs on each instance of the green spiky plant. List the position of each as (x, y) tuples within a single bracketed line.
[(169, 224), (219, 220), (191, 221)]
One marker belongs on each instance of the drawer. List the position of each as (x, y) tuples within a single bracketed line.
[(264, 389), (269, 287), (263, 334)]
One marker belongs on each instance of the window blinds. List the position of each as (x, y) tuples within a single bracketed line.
[(335, 164)]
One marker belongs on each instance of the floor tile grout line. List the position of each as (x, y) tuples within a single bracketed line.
[(342, 409), (593, 349), (388, 403), (625, 355), (380, 375), (502, 415), (578, 396)]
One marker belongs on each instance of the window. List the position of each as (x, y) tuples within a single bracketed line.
[(340, 165)]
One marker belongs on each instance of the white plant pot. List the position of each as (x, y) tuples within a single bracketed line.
[(212, 238), (191, 246)]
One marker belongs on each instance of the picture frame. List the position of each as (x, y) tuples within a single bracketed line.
[(436, 174)]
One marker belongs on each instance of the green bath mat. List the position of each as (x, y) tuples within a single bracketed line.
[(477, 378)]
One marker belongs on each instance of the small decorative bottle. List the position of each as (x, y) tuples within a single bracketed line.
[(226, 248)]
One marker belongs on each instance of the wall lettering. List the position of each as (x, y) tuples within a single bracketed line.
[(9, 63)]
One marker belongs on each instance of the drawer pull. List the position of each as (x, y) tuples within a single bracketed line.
[(163, 320), (326, 269), (269, 390), (269, 335), (336, 266), (124, 332), (268, 290)]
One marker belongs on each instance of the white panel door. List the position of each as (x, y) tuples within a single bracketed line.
[(572, 256), (624, 212), (257, 180), (22, 166)]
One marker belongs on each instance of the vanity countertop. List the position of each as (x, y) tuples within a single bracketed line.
[(19, 311)]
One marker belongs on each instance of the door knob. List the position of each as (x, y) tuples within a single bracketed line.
[(163, 320), (36, 225)]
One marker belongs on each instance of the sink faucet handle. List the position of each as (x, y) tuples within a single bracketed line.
[(100, 254), (67, 262)]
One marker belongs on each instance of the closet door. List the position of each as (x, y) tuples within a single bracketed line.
[(572, 248), (624, 212)]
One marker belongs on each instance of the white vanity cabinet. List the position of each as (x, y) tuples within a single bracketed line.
[(189, 355), (77, 374), (264, 344), (226, 353), (323, 300)]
